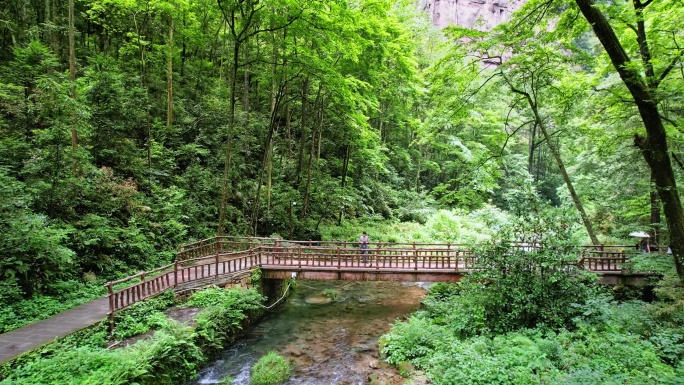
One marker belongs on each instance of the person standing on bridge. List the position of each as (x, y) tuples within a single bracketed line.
[(363, 242)]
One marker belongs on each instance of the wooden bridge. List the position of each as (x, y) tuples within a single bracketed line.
[(199, 262)]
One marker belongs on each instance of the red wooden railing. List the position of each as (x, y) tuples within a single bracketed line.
[(223, 255), (130, 290)]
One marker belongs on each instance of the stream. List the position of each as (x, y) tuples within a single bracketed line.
[(332, 341)]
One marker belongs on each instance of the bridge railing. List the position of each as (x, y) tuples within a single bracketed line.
[(219, 245), (604, 260), (353, 257), (130, 290)]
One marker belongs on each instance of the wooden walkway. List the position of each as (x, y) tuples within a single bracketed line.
[(221, 256)]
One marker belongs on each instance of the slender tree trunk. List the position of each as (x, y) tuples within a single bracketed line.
[(229, 140), (72, 70), (169, 77), (288, 125), (55, 21), (556, 154), (345, 169), (320, 132), (566, 177), (305, 204), (245, 95), (655, 201), (532, 146), (654, 146), (303, 130), (420, 163), (48, 36), (269, 138)]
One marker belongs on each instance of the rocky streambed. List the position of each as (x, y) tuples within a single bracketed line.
[(329, 330)]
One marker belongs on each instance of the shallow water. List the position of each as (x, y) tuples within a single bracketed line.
[(330, 341)]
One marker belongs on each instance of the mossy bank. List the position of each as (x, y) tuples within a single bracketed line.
[(147, 346)]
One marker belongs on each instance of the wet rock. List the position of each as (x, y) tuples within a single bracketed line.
[(294, 352)]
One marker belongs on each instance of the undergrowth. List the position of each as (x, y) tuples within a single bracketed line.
[(171, 355)]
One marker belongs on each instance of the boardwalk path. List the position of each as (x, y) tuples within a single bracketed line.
[(216, 264), (30, 337), (35, 335)]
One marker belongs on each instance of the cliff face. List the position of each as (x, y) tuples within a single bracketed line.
[(477, 14)]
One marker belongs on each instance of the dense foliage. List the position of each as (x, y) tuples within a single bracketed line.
[(529, 316), (175, 120), (171, 355), (128, 127)]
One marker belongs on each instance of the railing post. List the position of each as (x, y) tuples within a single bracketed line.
[(415, 257), (299, 255), (201, 247), (339, 258), (175, 274), (217, 264), (377, 257), (110, 290), (142, 281)]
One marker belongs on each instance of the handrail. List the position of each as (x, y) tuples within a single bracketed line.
[(171, 275), (222, 255)]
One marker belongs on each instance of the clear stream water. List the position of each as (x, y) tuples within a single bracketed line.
[(331, 342)]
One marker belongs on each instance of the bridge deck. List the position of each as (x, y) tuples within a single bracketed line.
[(221, 256)]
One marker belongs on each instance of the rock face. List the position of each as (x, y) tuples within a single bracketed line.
[(477, 14)]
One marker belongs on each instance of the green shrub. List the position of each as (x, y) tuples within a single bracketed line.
[(170, 356), (270, 369), (415, 341), (142, 316), (224, 314)]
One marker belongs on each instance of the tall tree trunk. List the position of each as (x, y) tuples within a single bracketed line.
[(55, 21), (305, 204), (246, 95), (273, 122), (345, 169), (556, 154), (169, 77), (302, 130), (420, 164), (320, 132), (288, 125), (655, 201), (532, 146), (72, 70), (229, 141), (654, 145)]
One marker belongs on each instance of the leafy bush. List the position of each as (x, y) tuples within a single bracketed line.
[(225, 313), (415, 341), (170, 356), (142, 316), (270, 369), (167, 358)]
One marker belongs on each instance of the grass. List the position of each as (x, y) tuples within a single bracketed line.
[(270, 369)]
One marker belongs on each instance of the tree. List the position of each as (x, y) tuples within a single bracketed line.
[(643, 77)]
